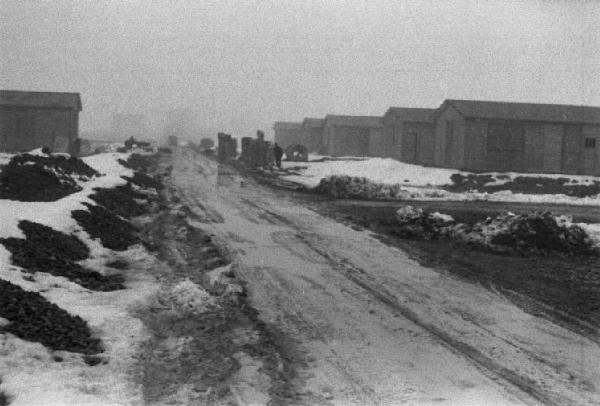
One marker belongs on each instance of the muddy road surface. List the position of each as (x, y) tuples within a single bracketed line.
[(357, 322)]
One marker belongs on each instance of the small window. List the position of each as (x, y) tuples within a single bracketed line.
[(590, 143)]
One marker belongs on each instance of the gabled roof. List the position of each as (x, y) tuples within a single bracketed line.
[(353, 121), (40, 99), (411, 114), (313, 122), (286, 125), (524, 111)]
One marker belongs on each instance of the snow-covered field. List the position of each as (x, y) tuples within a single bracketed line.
[(424, 183), (29, 373)]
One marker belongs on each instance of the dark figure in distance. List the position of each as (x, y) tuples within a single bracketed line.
[(278, 152)]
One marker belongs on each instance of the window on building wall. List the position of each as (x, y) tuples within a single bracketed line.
[(590, 143), (394, 137)]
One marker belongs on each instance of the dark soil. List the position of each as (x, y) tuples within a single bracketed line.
[(4, 401), (523, 184), (46, 250), (32, 178), (138, 162), (144, 181), (112, 231), (120, 200), (33, 318)]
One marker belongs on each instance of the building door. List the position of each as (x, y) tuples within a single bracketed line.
[(505, 147), (449, 147), (409, 147), (571, 149)]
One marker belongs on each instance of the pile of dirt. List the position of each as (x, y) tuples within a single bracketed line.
[(33, 178), (138, 162), (46, 250), (535, 232), (33, 318), (120, 200), (542, 232), (522, 184), (352, 187), (418, 223), (112, 231)]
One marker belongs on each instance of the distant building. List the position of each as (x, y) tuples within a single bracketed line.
[(30, 120), (312, 134), (408, 135), (287, 133), (351, 135), (129, 125), (519, 137)]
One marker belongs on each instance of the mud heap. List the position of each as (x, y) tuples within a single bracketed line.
[(352, 187), (36, 178), (508, 232)]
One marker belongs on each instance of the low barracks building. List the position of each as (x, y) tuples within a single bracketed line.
[(351, 135), (288, 133), (30, 120), (408, 135), (312, 134), (518, 137)]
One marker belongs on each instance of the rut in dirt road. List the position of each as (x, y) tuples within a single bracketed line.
[(373, 326)]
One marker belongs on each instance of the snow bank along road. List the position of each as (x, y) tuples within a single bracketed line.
[(373, 326)]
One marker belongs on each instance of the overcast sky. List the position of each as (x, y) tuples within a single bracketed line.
[(242, 65)]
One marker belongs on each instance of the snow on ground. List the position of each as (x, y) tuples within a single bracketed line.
[(29, 373), (423, 183), (380, 170)]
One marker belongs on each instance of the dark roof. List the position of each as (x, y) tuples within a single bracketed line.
[(353, 121), (313, 122), (411, 114), (286, 125), (525, 111), (40, 99)]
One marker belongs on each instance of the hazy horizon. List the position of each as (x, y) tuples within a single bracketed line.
[(240, 66)]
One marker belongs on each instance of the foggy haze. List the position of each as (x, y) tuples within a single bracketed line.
[(239, 66)]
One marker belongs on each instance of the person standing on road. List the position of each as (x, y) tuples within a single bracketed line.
[(278, 152)]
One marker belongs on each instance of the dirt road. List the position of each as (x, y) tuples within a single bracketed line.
[(372, 326)]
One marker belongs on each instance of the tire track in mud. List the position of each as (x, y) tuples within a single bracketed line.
[(356, 275), (483, 362), (200, 358)]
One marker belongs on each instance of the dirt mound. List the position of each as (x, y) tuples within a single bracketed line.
[(31, 178), (351, 187), (536, 232), (112, 231), (33, 318), (522, 184), (120, 200), (417, 223), (46, 250), (138, 162), (530, 232)]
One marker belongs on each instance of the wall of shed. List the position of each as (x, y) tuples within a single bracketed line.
[(23, 129), (349, 141), (287, 137), (312, 138), (376, 143), (590, 161), (449, 153), (392, 137), (417, 143), (475, 145)]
